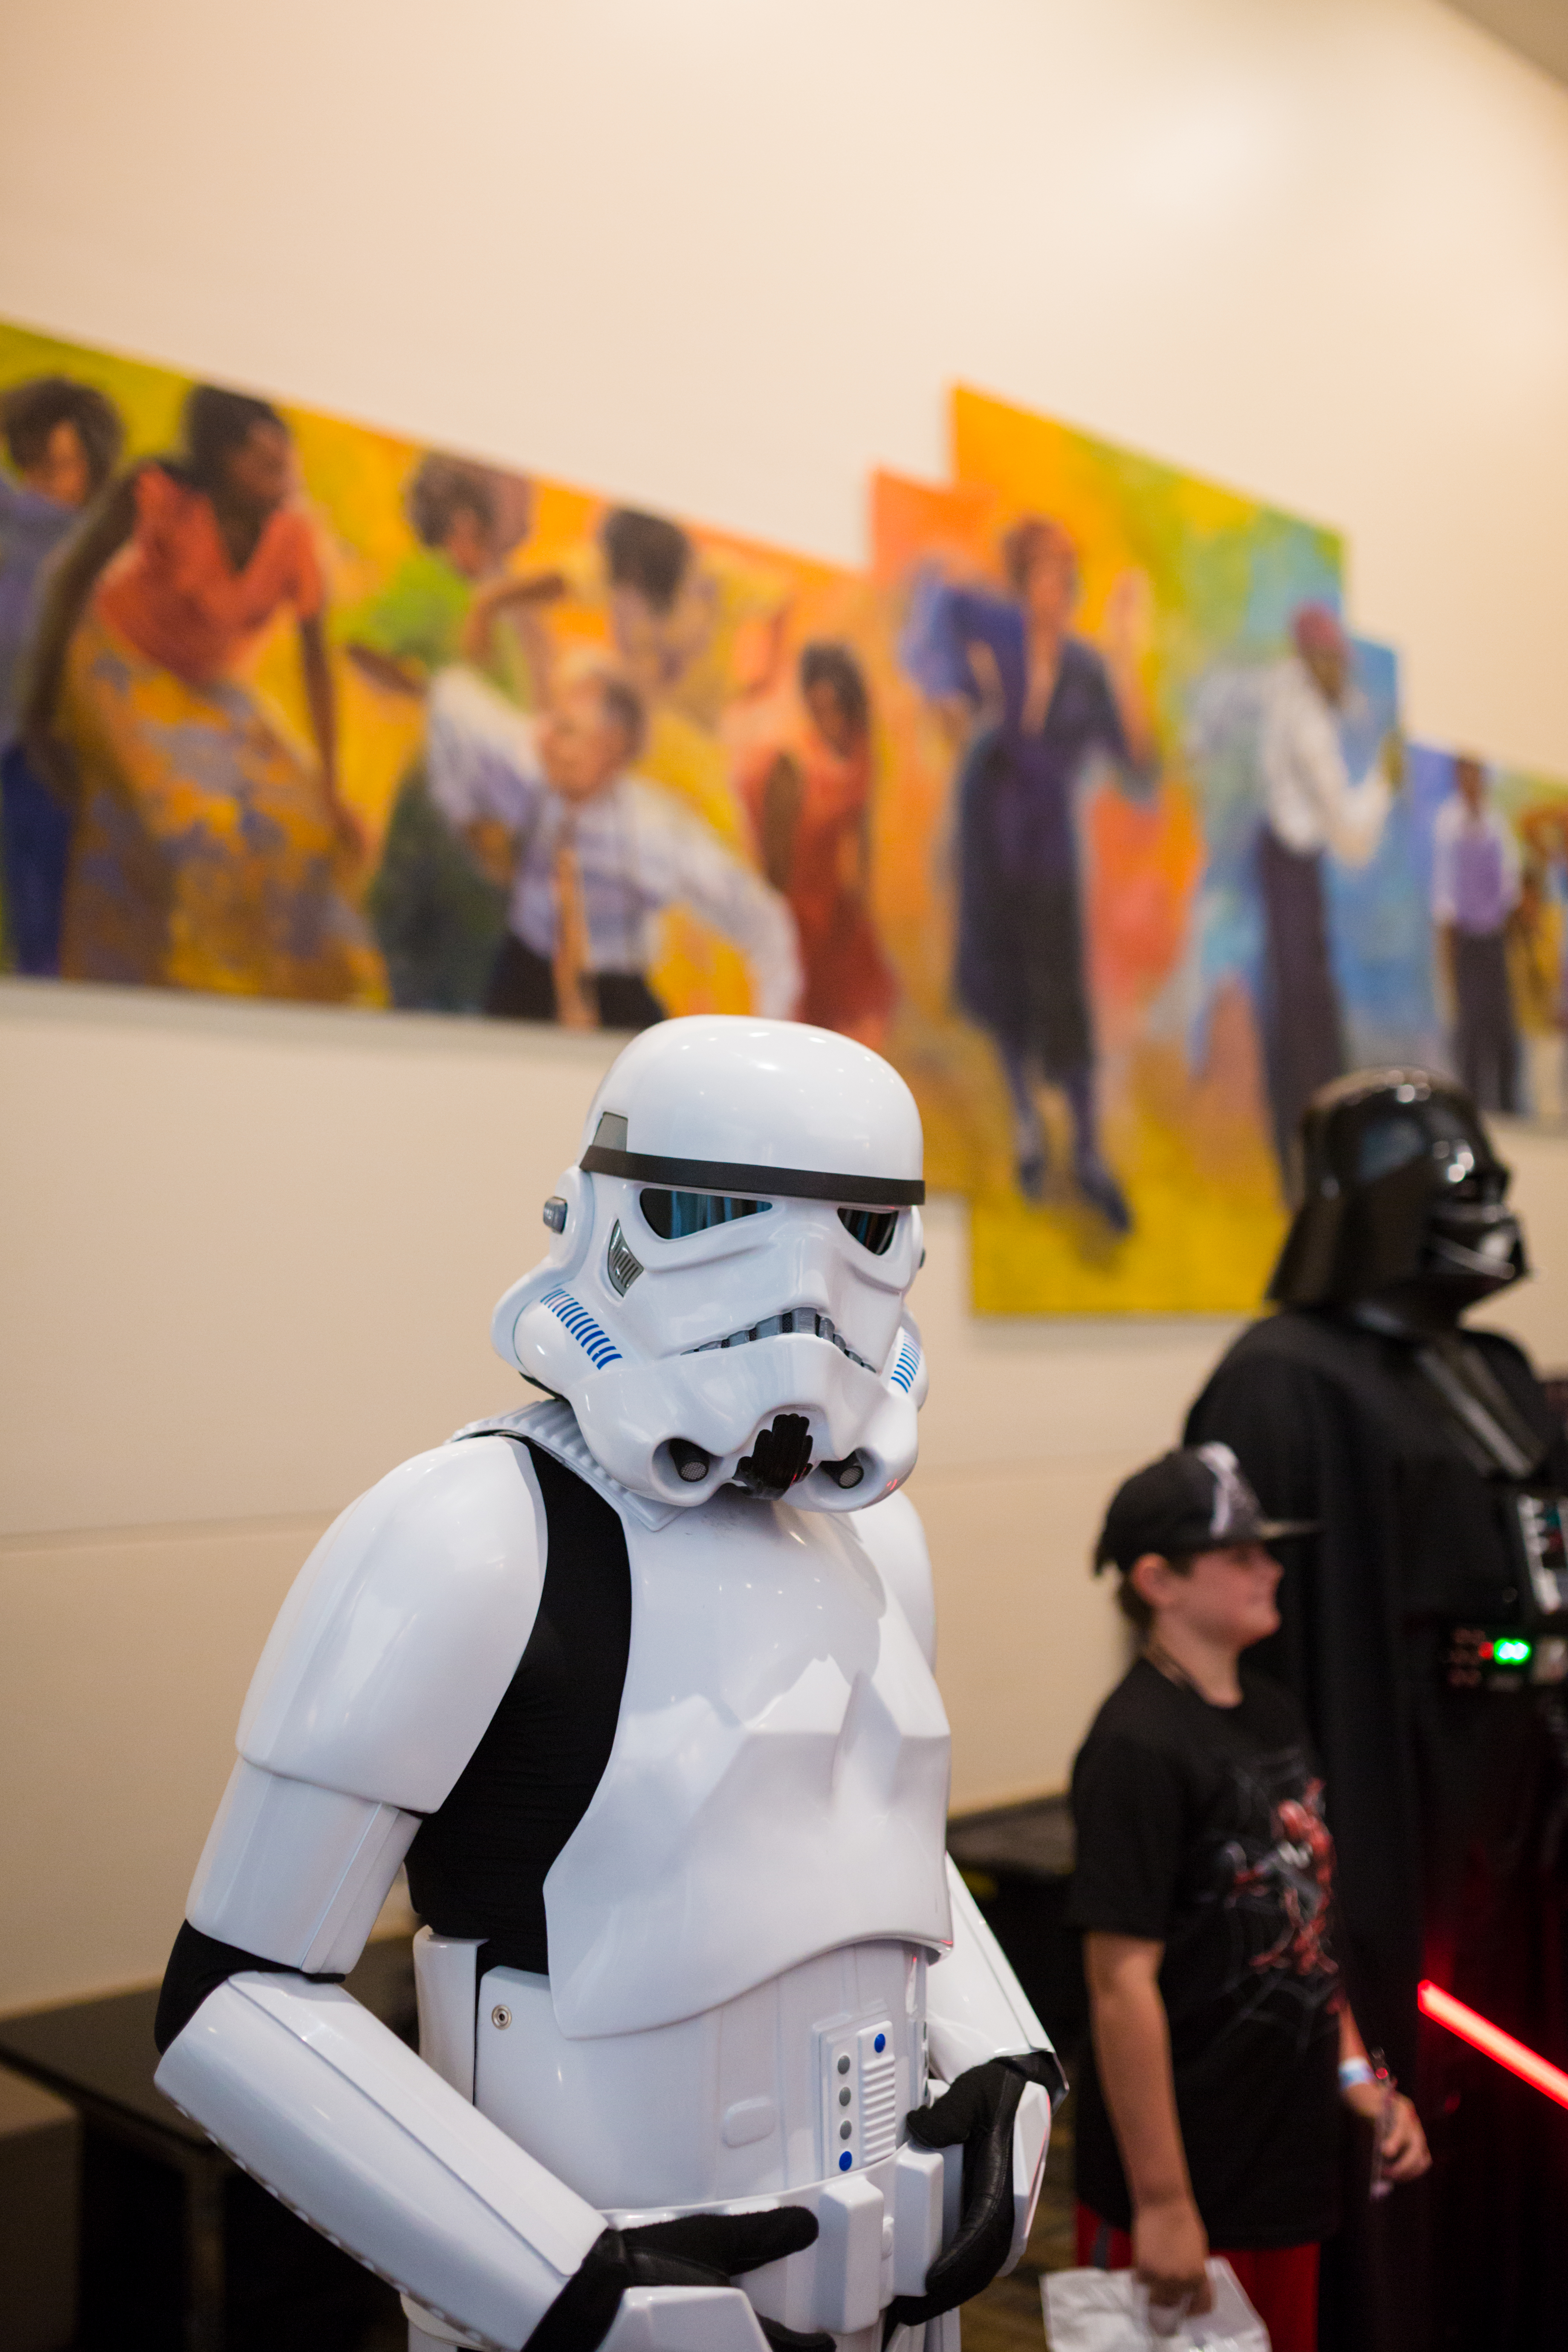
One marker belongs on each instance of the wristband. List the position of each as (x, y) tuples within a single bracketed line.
[(1354, 2071)]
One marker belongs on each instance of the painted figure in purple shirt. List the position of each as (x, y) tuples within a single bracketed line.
[(62, 440), (1476, 884), (1043, 705)]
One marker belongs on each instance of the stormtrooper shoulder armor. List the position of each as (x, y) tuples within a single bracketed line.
[(404, 1629)]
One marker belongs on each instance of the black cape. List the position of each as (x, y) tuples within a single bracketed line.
[(1449, 1807)]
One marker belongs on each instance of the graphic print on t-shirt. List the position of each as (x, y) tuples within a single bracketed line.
[(1204, 1829), (1273, 1876), (1201, 1829)]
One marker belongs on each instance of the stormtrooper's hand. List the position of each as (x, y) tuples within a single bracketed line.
[(977, 2114), (698, 2250)]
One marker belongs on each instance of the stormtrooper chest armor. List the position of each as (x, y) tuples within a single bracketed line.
[(777, 1786)]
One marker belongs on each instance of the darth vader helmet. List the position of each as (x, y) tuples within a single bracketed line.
[(1404, 1201), (723, 1300)]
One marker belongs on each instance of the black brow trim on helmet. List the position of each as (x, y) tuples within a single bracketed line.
[(738, 1176)]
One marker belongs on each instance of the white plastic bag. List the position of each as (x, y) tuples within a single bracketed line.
[(1108, 2311)]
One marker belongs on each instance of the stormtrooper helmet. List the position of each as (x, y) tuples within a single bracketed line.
[(723, 1300)]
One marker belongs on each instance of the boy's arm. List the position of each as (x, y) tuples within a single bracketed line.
[(1405, 2155), (1132, 2052)]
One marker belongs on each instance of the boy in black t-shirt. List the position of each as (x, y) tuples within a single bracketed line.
[(1222, 2040)]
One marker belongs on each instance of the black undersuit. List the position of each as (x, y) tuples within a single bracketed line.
[(477, 1865)]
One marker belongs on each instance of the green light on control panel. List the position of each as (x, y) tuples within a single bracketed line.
[(1509, 1650)]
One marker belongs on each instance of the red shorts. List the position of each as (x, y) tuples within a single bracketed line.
[(1280, 2281)]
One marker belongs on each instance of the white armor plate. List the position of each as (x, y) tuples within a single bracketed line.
[(806, 2076), (772, 1679)]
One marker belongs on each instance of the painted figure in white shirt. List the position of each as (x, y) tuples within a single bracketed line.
[(1312, 805), (593, 852), (1476, 886)]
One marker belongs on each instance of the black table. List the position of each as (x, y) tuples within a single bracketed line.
[(178, 2246)]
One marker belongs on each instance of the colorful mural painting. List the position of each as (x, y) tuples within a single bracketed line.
[(1080, 801), (1095, 1092)]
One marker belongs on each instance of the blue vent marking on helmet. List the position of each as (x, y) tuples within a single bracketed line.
[(908, 1364), (584, 1331)]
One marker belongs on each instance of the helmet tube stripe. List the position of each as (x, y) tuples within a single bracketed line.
[(736, 1176)]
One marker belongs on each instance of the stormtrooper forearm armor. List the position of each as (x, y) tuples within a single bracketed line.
[(324, 2105), (977, 2010)]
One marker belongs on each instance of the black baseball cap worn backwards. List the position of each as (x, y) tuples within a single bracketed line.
[(1194, 1499)]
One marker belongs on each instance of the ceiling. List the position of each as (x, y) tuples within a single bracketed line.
[(1538, 29)]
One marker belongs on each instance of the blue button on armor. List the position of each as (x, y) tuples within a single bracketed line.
[(844, 2161), (881, 2044)]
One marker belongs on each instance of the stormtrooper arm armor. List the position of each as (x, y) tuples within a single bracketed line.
[(976, 2012), (389, 1657), (323, 2103), (983, 2031), (975, 2007)]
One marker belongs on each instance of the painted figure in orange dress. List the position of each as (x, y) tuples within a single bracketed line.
[(212, 851), (810, 806)]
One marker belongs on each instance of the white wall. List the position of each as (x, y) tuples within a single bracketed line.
[(722, 256), (726, 255)]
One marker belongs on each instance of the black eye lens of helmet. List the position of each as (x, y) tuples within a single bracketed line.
[(872, 1228), (674, 1216), (1387, 1144)]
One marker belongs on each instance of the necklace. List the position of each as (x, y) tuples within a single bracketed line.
[(1173, 1671)]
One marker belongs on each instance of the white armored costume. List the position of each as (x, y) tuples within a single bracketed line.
[(639, 1681)]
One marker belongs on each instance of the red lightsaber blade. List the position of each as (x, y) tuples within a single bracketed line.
[(1482, 2035)]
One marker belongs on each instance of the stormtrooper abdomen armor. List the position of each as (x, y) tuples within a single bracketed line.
[(670, 1769)]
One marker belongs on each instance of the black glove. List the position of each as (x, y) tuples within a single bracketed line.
[(977, 2112), (698, 2250)]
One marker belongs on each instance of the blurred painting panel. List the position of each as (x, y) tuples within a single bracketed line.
[(1081, 799)]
